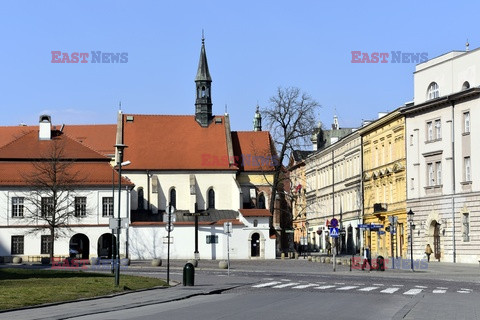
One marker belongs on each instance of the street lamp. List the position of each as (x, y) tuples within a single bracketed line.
[(306, 232), (120, 147), (410, 220)]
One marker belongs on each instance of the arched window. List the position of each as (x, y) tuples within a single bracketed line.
[(261, 201), (433, 91), (211, 199), (466, 85), (141, 204), (204, 92), (173, 197)]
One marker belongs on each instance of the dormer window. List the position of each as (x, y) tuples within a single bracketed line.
[(433, 91), (466, 85)]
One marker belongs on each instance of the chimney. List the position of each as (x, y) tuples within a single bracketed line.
[(45, 127)]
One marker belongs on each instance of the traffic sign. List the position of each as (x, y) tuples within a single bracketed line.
[(169, 227), (227, 227), (334, 232), (170, 209), (334, 223)]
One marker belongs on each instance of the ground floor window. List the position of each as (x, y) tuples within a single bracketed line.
[(46, 245), (17, 244)]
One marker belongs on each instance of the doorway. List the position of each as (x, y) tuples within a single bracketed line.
[(255, 245), (80, 246), (106, 244)]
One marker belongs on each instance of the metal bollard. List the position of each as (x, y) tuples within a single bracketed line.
[(188, 275)]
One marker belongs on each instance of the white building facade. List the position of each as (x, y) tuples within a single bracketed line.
[(443, 184)]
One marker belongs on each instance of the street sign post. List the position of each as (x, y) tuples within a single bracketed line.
[(170, 210), (228, 229), (334, 232)]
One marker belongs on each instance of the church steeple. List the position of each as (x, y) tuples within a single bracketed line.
[(203, 81), (257, 120)]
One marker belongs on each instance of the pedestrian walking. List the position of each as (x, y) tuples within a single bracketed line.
[(329, 248), (367, 258), (428, 252)]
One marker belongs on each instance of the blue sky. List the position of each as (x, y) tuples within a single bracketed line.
[(252, 47)]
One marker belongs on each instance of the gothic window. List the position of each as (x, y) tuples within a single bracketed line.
[(204, 92), (211, 199), (261, 201), (141, 199)]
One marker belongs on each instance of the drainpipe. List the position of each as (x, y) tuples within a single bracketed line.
[(453, 182), (148, 191)]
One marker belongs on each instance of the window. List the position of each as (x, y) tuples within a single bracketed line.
[(433, 91), (141, 199), (467, 169), (17, 245), (261, 201), (411, 139), (438, 169), (17, 207), (47, 206), (466, 122), (211, 199), (438, 130), (211, 239), (255, 223), (46, 245), (466, 226), (431, 179), (80, 206), (465, 85), (107, 206), (429, 131), (173, 197)]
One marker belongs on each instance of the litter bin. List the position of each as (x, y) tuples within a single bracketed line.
[(188, 274), (380, 263)]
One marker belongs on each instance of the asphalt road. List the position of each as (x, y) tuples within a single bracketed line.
[(273, 294)]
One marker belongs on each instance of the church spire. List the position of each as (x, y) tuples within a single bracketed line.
[(203, 81), (257, 120)]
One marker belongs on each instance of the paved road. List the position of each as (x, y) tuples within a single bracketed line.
[(281, 289)]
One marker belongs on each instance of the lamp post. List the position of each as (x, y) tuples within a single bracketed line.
[(120, 147), (306, 235), (410, 220)]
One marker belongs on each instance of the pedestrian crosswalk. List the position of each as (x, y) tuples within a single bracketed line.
[(343, 287)]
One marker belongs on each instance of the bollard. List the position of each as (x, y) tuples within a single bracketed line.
[(188, 275), (380, 263)]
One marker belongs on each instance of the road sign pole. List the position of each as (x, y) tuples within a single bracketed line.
[(228, 254), (334, 254), (168, 246)]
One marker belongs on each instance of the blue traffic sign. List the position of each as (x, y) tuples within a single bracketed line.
[(334, 232)]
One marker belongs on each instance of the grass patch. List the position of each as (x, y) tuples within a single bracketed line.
[(24, 287)]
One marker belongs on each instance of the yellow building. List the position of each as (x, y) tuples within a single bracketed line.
[(384, 184)]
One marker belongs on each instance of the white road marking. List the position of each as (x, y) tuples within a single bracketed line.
[(464, 291), (340, 283), (413, 291), (377, 284), (286, 285), (397, 285), (390, 290), (325, 287), (285, 279), (303, 286), (347, 288), (265, 284), (421, 287), (439, 291), (444, 288), (368, 289)]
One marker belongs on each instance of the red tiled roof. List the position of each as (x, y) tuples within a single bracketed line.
[(89, 173), (8, 134), (253, 150), (99, 137), (255, 212), (29, 146), (169, 142)]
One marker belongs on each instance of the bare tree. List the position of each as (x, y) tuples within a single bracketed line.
[(52, 183), (291, 121)]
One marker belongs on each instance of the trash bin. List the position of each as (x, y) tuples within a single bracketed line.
[(188, 275), (380, 263)]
